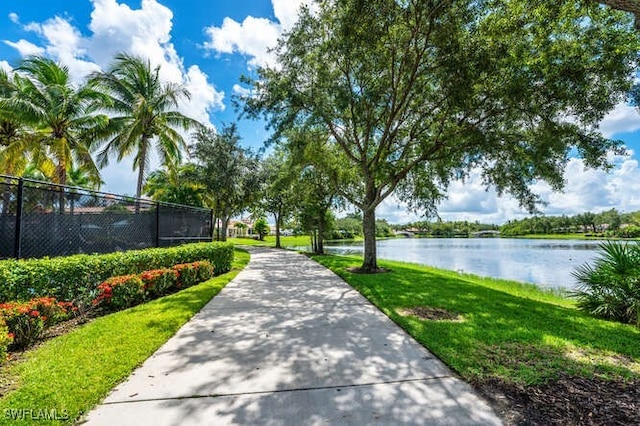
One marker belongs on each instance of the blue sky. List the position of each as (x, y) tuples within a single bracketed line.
[(208, 44)]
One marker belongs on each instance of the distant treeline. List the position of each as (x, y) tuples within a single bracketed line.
[(440, 229), (610, 223)]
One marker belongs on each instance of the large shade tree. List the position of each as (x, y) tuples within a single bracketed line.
[(144, 114), (417, 93), (62, 118)]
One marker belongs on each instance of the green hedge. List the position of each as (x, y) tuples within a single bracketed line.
[(77, 277)]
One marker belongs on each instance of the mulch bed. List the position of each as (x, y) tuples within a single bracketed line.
[(569, 400)]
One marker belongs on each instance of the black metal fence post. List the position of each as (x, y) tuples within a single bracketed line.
[(211, 226), (157, 224), (18, 233)]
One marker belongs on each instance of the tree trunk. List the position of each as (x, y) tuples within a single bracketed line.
[(370, 262), (277, 219), (321, 228), (223, 230), (141, 171), (314, 241)]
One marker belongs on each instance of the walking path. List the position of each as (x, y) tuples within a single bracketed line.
[(287, 342)]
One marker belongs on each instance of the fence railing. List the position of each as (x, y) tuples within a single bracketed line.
[(43, 219)]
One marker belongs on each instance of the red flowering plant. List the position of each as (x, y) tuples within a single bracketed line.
[(120, 292), (193, 273), (51, 311), (27, 320), (158, 282), (25, 324), (187, 274)]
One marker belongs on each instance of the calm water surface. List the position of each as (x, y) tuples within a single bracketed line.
[(547, 263)]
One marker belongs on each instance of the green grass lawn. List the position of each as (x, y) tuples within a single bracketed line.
[(287, 242), (74, 372), (511, 331), (270, 241)]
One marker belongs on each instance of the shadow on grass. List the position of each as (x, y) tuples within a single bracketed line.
[(512, 337)]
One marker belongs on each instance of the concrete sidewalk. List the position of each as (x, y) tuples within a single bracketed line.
[(287, 342)]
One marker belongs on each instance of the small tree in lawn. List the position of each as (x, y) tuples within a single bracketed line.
[(241, 228), (279, 194), (261, 227)]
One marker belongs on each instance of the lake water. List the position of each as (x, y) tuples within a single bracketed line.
[(547, 263)]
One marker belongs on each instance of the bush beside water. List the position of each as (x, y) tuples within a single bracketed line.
[(611, 288)]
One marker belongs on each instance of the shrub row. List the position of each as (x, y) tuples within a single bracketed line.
[(22, 323), (77, 277), (124, 291)]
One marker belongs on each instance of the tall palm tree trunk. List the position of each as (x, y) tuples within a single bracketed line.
[(142, 161)]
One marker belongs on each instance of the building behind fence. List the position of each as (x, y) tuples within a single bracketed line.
[(43, 219)]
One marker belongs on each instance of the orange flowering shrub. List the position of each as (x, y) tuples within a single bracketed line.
[(158, 282), (26, 320), (205, 270), (193, 273), (120, 292)]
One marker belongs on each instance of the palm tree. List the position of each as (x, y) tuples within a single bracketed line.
[(177, 187), (60, 115), (144, 111), (12, 131)]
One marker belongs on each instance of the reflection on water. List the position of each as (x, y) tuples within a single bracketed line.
[(548, 263)]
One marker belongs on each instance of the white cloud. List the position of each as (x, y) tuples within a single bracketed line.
[(586, 190), (14, 17), (25, 48), (66, 44), (624, 118), (286, 11), (241, 90), (4, 65), (204, 96), (145, 31), (255, 36)]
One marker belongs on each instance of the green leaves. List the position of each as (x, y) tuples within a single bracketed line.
[(76, 277), (611, 287), (415, 94), (143, 108)]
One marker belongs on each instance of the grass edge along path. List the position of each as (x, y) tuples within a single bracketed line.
[(510, 331), (70, 374)]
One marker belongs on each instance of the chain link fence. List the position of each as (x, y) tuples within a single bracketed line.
[(42, 219)]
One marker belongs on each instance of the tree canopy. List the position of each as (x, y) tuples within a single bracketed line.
[(47, 116), (415, 94), (144, 114), (228, 173)]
